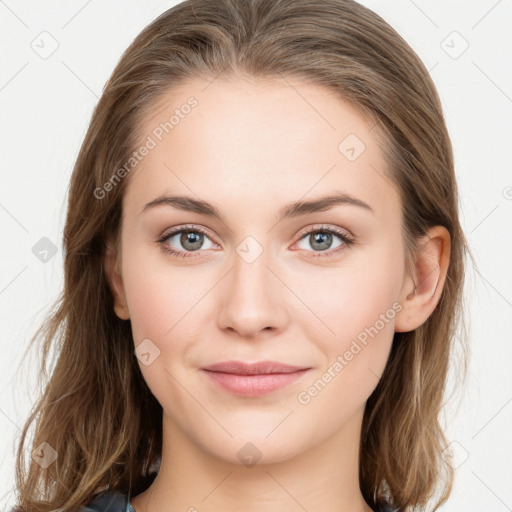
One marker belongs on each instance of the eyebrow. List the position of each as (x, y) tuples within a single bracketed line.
[(296, 209)]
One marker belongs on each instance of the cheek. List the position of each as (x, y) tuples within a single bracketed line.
[(160, 298), (344, 301), (354, 310), (161, 302)]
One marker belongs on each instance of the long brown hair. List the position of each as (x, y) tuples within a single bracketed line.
[(96, 410)]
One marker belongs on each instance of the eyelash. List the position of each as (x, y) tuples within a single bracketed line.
[(343, 235)]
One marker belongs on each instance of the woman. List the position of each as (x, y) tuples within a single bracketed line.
[(263, 273)]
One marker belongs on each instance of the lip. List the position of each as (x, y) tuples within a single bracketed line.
[(253, 379)]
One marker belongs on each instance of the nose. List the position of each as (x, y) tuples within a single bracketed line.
[(253, 298)]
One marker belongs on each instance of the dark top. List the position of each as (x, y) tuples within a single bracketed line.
[(109, 501), (115, 501)]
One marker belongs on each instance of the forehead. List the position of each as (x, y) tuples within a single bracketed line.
[(257, 138)]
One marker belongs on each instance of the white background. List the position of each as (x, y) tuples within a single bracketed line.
[(45, 109)]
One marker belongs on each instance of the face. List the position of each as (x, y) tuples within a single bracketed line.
[(313, 287)]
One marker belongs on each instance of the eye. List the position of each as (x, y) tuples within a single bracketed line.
[(321, 239), (190, 238)]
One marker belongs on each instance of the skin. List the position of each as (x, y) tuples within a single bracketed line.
[(250, 147)]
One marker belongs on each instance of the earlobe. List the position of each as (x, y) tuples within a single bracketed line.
[(421, 292), (111, 267)]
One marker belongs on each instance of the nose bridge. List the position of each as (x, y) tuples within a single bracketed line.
[(252, 300)]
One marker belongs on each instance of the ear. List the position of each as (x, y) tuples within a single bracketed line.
[(112, 271), (422, 291)]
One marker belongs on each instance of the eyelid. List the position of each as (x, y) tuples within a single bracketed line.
[(326, 227), (185, 227), (305, 231)]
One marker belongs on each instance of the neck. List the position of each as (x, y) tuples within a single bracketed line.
[(191, 478)]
